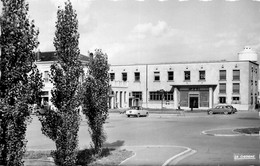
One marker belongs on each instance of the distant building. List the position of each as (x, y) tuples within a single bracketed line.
[(44, 62), (198, 85)]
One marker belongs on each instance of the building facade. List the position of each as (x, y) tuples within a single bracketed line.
[(197, 85), (44, 62), (185, 85)]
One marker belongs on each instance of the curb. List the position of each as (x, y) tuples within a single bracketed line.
[(122, 162), (173, 160), (227, 135)]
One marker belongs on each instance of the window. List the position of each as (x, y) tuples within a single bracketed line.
[(137, 95), (46, 76), (157, 96), (124, 96), (222, 75), (222, 100), (124, 76), (235, 100), (236, 87), (137, 76), (186, 75), (168, 96), (222, 88), (156, 76), (112, 76), (236, 74), (202, 74), (170, 76)]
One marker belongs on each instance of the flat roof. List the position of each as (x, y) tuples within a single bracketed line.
[(191, 62)]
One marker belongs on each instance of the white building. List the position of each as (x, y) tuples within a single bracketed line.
[(200, 85), (44, 62)]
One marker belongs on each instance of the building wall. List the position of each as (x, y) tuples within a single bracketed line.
[(123, 92), (148, 84)]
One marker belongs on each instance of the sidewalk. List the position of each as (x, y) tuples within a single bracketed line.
[(160, 111)]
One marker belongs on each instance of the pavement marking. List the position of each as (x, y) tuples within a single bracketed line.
[(228, 135), (175, 159), (127, 159)]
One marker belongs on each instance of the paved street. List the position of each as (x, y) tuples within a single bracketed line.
[(159, 138)]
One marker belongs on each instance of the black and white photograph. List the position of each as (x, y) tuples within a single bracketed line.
[(129, 83)]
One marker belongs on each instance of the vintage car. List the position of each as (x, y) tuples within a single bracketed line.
[(136, 111), (226, 109)]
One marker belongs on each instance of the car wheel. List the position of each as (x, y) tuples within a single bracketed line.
[(225, 112), (128, 116), (210, 112)]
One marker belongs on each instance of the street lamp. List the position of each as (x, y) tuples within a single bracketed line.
[(162, 91)]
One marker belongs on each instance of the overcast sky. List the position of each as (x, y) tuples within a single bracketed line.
[(151, 31)]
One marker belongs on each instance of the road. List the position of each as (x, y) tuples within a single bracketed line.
[(158, 138)]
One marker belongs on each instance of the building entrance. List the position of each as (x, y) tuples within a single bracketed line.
[(194, 102)]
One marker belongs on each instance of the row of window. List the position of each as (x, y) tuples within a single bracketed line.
[(223, 75), (187, 75), (235, 100), (223, 88), (154, 95)]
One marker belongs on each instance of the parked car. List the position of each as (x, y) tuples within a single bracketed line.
[(136, 111), (226, 109), (233, 108)]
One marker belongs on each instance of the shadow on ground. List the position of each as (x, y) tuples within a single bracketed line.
[(249, 118), (87, 156)]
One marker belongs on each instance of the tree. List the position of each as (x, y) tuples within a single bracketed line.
[(96, 97), (18, 78), (62, 125)]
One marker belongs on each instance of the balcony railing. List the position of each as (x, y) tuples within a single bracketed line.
[(121, 84)]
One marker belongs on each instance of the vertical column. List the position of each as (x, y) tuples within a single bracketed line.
[(116, 99), (175, 96), (210, 97), (49, 98), (112, 102)]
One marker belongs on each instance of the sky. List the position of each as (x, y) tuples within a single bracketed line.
[(156, 31)]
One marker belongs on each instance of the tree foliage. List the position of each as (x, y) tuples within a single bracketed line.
[(20, 80), (62, 125), (95, 98)]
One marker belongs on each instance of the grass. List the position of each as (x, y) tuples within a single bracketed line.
[(109, 156), (37, 155), (254, 130), (115, 158)]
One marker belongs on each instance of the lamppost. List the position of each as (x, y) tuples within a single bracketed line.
[(162, 91)]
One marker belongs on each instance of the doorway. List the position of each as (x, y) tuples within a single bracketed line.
[(194, 102)]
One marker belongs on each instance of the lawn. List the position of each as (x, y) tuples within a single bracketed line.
[(109, 156), (254, 130)]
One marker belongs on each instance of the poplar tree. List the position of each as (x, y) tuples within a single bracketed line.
[(96, 97), (62, 125), (20, 80)]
